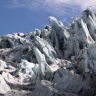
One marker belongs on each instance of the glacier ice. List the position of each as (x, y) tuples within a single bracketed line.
[(55, 61)]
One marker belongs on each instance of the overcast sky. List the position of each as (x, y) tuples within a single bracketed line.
[(26, 15)]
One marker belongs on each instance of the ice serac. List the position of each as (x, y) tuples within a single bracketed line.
[(59, 35), (60, 31), (90, 20), (92, 58), (43, 66), (28, 67), (82, 32), (92, 27), (46, 49), (89, 12), (67, 81)]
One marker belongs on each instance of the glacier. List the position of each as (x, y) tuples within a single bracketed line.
[(55, 61)]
